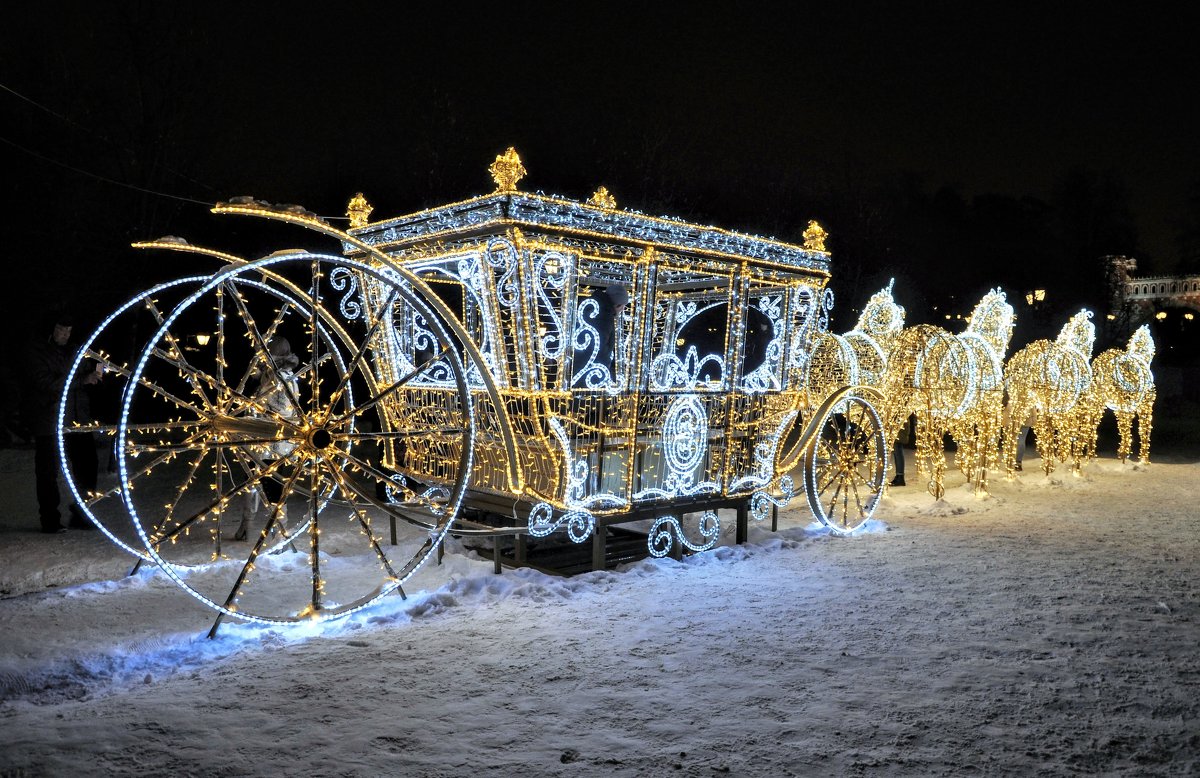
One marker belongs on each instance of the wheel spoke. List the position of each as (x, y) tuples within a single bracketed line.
[(313, 354), (833, 499), (369, 404), (247, 401), (365, 522), (398, 434), (264, 351), (179, 402), (361, 350), (389, 510), (220, 292), (112, 429), (241, 488), (146, 470), (366, 468), (314, 536), (253, 363), (175, 355), (235, 592)]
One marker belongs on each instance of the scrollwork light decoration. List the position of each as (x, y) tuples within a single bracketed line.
[(342, 279), (666, 530)]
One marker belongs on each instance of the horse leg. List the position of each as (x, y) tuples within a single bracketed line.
[(1145, 420), (1125, 426), (1044, 430)]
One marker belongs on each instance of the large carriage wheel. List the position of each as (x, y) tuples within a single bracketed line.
[(301, 440), (111, 347), (845, 464)]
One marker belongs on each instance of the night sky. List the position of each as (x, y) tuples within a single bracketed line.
[(746, 118)]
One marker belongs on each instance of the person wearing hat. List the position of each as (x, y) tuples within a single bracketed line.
[(277, 388), (49, 362)]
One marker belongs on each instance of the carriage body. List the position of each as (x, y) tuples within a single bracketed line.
[(708, 372)]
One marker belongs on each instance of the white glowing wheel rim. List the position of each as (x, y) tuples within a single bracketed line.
[(312, 451), (106, 508), (845, 465)]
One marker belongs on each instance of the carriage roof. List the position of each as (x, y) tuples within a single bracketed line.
[(559, 219)]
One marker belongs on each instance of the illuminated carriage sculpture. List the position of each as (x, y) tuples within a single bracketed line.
[(451, 372)]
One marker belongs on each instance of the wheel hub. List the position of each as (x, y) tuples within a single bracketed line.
[(320, 438)]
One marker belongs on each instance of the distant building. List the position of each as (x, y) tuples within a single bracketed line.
[(1133, 301)]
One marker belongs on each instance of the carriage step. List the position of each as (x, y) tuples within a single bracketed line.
[(559, 556)]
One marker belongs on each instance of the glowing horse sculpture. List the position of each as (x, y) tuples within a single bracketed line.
[(872, 337), (859, 357), (1122, 381), (953, 385), (1047, 380), (977, 432)]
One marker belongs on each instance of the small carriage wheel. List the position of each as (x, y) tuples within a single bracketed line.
[(300, 446), (845, 464)]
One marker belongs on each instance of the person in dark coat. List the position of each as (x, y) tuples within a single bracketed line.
[(609, 308), (612, 307), (49, 363)]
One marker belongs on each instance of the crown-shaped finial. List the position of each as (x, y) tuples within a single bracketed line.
[(359, 210), (603, 198), (814, 237), (507, 170)]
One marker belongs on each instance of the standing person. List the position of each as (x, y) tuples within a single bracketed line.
[(1023, 436), (49, 363), (616, 298), (902, 440), (603, 318), (274, 397)]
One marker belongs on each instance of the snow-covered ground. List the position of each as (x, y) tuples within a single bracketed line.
[(1051, 628)]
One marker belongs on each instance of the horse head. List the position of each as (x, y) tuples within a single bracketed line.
[(881, 318), (1141, 345), (992, 320), (1078, 333)]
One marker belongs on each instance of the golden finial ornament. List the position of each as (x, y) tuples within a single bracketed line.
[(603, 199), (359, 210), (507, 170), (814, 237)]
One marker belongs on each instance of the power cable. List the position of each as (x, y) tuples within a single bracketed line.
[(99, 177), (88, 130)]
